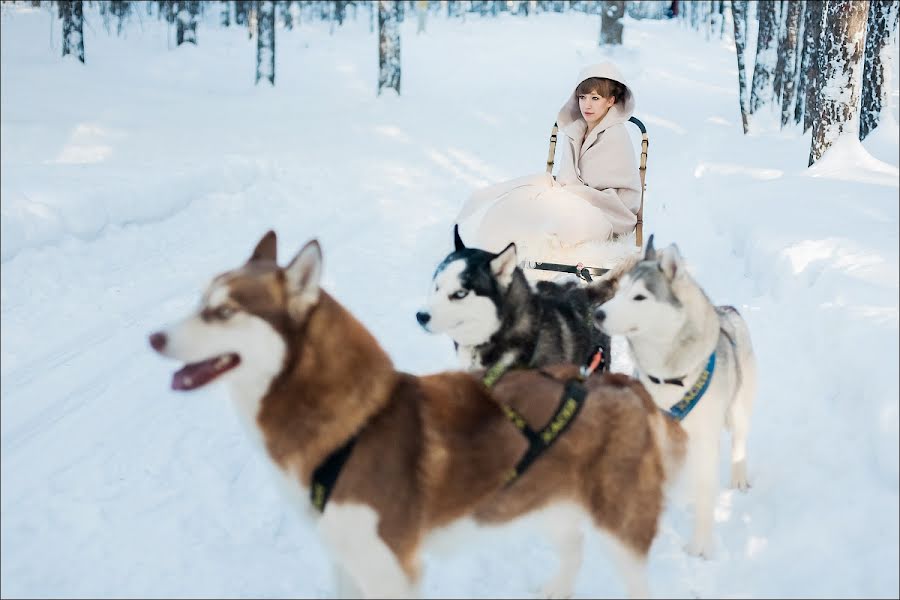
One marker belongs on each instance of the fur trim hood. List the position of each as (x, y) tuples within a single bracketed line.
[(620, 112)]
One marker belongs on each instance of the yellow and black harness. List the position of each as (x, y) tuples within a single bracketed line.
[(539, 441), (326, 474)]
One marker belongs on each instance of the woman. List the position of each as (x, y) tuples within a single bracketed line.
[(596, 192)]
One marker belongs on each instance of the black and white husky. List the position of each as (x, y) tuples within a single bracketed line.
[(683, 347), (492, 313)]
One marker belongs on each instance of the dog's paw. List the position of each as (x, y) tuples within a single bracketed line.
[(699, 549), (739, 479), (740, 484), (556, 589)]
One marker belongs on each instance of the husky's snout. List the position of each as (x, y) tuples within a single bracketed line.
[(423, 318), (158, 341)]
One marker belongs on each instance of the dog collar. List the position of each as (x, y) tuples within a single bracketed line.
[(679, 381), (680, 409)]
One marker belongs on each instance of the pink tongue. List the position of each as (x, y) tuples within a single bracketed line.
[(200, 373)]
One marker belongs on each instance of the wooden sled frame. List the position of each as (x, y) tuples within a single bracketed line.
[(588, 273)]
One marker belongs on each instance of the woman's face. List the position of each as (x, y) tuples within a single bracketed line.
[(594, 107)]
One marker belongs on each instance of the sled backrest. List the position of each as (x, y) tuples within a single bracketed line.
[(645, 142)]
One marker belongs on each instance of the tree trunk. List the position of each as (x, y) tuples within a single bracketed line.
[(881, 26), (611, 15), (168, 9), (421, 16), (187, 21), (695, 14), (766, 55), (340, 10), (722, 14), (800, 81), (388, 45), (843, 38), (779, 62), (120, 9), (287, 17), (72, 15), (225, 14), (789, 75), (739, 16), (265, 42), (241, 10), (809, 65)]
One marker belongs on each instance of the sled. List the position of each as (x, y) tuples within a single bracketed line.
[(588, 273)]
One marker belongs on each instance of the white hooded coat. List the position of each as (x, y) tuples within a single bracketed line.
[(595, 194)]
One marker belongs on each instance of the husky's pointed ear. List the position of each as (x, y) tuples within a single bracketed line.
[(504, 265), (457, 241), (670, 262), (302, 279), (266, 248), (650, 252)]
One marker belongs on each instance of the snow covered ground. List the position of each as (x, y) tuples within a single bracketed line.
[(129, 181)]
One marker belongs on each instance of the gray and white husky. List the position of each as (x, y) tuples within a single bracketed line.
[(674, 335), (492, 313)]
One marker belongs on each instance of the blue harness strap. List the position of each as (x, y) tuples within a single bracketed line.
[(680, 409)]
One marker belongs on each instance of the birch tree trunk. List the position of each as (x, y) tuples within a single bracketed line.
[(788, 77), (265, 42), (287, 16), (241, 11), (388, 45), (843, 39), (722, 14), (421, 16), (186, 21), (809, 65), (880, 31), (739, 16), (72, 15), (340, 10), (611, 14), (766, 55), (779, 62)]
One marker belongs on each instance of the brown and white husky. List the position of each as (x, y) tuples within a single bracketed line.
[(431, 454)]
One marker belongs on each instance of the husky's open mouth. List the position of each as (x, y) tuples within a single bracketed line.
[(200, 373)]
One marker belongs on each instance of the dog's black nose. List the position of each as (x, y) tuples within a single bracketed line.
[(423, 318), (599, 315), (158, 341)]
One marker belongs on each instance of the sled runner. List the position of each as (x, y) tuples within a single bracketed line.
[(588, 273)]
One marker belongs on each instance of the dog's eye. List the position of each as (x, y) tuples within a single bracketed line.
[(640, 297), (224, 311), (459, 294)]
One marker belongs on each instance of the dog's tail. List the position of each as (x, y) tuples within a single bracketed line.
[(735, 330), (604, 287)]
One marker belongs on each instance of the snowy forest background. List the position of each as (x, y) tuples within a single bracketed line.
[(807, 52)]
